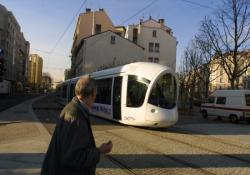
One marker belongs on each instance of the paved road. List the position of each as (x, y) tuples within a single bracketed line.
[(23, 140), (9, 101), (192, 146)]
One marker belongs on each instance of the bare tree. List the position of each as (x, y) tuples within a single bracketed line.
[(207, 68), (229, 35), (188, 76), (184, 77)]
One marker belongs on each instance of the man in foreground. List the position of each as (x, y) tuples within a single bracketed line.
[(72, 149)]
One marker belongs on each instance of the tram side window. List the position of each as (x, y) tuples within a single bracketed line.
[(64, 91), (136, 90), (72, 90), (104, 91)]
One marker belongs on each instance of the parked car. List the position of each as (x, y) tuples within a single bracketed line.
[(232, 104)]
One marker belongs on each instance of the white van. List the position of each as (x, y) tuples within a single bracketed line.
[(234, 104)]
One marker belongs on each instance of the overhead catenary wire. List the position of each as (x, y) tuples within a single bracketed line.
[(144, 8), (68, 26), (126, 20), (139, 11), (64, 32), (123, 22), (48, 53), (197, 4)]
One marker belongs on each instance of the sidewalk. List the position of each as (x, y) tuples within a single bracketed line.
[(23, 140)]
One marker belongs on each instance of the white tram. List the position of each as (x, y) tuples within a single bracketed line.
[(138, 94)]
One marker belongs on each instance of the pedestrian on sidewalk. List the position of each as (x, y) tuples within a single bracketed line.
[(72, 150)]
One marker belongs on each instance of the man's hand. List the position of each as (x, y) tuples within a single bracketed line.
[(106, 147)]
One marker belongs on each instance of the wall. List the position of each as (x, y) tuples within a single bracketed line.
[(98, 53)]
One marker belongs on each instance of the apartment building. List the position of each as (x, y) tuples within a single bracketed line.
[(219, 78), (157, 39), (15, 51), (35, 71), (91, 23), (105, 50), (98, 44)]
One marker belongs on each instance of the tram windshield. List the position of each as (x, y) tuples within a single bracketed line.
[(136, 90), (164, 92)]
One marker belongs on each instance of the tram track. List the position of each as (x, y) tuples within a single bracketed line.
[(236, 157), (199, 147), (199, 134), (124, 167), (183, 162)]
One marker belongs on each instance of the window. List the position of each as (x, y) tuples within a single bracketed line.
[(221, 100), (64, 91), (156, 60), (221, 79), (150, 59), (135, 35), (157, 47), (112, 41), (72, 90), (154, 34), (221, 72), (136, 90), (104, 91), (98, 28), (247, 96), (117, 92), (164, 92), (150, 47), (58, 91), (211, 100)]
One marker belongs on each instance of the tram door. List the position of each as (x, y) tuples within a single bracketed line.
[(117, 89)]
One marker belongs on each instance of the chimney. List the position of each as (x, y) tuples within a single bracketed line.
[(88, 10), (161, 21)]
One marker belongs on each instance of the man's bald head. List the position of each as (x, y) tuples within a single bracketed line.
[(85, 87)]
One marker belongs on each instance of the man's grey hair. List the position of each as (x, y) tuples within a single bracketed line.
[(85, 86)]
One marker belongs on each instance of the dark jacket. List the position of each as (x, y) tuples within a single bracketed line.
[(72, 150)]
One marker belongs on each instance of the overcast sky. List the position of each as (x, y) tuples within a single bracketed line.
[(43, 22)]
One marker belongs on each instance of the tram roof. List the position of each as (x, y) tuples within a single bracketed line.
[(144, 69)]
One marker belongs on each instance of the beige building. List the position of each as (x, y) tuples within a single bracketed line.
[(35, 71), (219, 78), (15, 50), (105, 50), (98, 44), (157, 39), (91, 23)]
